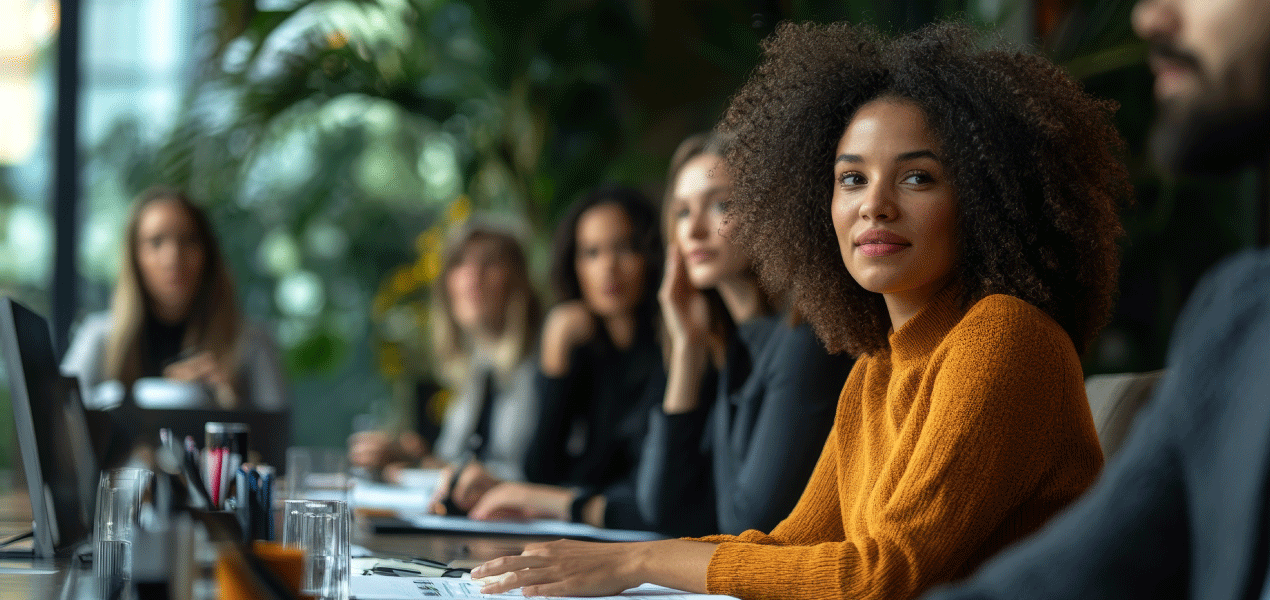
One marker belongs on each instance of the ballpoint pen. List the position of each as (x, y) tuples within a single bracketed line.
[(451, 508)]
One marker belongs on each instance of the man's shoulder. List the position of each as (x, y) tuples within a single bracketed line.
[(1247, 271), (1232, 296), (1220, 346)]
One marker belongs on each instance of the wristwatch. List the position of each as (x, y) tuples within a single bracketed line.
[(580, 498)]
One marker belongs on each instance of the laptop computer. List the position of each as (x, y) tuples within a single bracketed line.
[(53, 434)]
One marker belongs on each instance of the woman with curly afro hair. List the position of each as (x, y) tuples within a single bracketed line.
[(946, 212)]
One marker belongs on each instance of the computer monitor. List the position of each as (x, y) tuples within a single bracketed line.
[(53, 436)]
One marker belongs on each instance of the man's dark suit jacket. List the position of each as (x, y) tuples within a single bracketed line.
[(1180, 512)]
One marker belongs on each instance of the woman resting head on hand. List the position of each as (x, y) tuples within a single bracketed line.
[(947, 213)]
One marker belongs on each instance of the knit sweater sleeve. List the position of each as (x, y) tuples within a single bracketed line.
[(992, 444)]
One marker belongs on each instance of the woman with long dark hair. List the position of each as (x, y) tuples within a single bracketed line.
[(601, 372)]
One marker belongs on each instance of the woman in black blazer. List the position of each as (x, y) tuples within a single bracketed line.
[(750, 396)]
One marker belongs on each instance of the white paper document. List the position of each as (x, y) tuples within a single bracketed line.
[(369, 494), (536, 527), (411, 504), (377, 587)]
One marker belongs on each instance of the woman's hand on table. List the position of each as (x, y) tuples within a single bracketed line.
[(518, 501), (570, 568), (204, 368), (369, 449), (376, 449), (474, 482)]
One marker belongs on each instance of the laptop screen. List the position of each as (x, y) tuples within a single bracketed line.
[(57, 456)]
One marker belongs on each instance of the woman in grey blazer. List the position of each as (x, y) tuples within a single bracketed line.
[(175, 316)]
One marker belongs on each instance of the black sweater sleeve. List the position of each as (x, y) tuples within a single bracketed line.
[(758, 484), (547, 459), (674, 487)]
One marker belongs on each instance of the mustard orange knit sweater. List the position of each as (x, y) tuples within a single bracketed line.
[(968, 434)]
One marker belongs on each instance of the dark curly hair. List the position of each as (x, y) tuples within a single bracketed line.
[(645, 238), (1035, 162)]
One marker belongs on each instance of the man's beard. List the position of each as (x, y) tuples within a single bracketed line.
[(1210, 139), (1223, 129)]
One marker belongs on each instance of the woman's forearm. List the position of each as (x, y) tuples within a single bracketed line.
[(683, 381), (678, 564), (555, 355)]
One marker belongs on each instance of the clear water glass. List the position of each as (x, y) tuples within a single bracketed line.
[(321, 528), (119, 496), (318, 474)]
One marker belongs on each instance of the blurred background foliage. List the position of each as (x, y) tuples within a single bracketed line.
[(334, 140)]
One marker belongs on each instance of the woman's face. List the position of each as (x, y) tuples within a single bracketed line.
[(699, 201), (170, 257), (610, 271), (894, 209), (479, 286)]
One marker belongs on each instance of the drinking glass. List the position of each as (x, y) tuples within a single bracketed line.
[(321, 528), (119, 495), (318, 474)]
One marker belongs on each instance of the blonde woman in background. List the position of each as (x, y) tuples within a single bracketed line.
[(175, 316), (485, 321)]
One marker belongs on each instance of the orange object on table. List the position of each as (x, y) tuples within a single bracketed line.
[(236, 581)]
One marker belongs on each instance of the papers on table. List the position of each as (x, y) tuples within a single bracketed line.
[(376, 587), (426, 479), (411, 505), (537, 527), (368, 494)]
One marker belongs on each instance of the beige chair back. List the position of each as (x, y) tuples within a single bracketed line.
[(1115, 400)]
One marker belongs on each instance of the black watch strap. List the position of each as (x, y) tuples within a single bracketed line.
[(580, 499)]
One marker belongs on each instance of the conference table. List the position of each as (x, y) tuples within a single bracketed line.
[(66, 579)]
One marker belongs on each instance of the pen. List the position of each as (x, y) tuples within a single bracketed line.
[(243, 500), (194, 476), (266, 498), (217, 463), (257, 511), (225, 476), (451, 508)]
